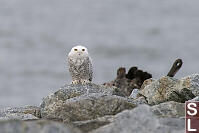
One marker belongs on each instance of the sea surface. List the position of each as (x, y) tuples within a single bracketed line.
[(36, 36)]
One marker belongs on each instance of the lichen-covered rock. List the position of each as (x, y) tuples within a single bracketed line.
[(169, 109), (191, 82), (142, 120), (37, 126), (20, 113), (34, 110), (17, 116), (166, 89), (147, 82), (85, 107)]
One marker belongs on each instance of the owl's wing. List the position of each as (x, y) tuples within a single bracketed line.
[(71, 66), (69, 61), (90, 69)]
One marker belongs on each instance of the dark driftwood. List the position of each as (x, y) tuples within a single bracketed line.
[(127, 82), (139, 75), (121, 72), (175, 68)]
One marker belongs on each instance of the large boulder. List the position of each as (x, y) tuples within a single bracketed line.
[(70, 91), (84, 107), (89, 125), (167, 110), (166, 89), (37, 126), (142, 120)]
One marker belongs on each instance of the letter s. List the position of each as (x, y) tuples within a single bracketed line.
[(192, 108)]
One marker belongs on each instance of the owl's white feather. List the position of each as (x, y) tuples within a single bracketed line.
[(80, 65)]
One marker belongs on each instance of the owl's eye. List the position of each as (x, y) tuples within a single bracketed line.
[(75, 49), (83, 49)]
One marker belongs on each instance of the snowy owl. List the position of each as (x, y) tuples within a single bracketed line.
[(80, 65)]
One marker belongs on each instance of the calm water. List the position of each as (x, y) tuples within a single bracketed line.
[(35, 37)]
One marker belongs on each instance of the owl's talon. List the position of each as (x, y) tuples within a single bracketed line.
[(85, 82), (75, 82)]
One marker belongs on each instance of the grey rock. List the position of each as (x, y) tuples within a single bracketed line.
[(166, 89), (147, 82), (191, 82), (134, 94), (169, 109), (140, 100), (70, 91), (17, 116), (84, 107), (195, 99), (182, 95), (38, 126), (76, 90), (89, 125), (142, 120), (174, 123), (20, 113)]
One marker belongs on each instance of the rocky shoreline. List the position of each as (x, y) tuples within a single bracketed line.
[(157, 106)]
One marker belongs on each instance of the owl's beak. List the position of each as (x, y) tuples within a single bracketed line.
[(79, 53)]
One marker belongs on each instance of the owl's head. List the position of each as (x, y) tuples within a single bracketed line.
[(78, 52)]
